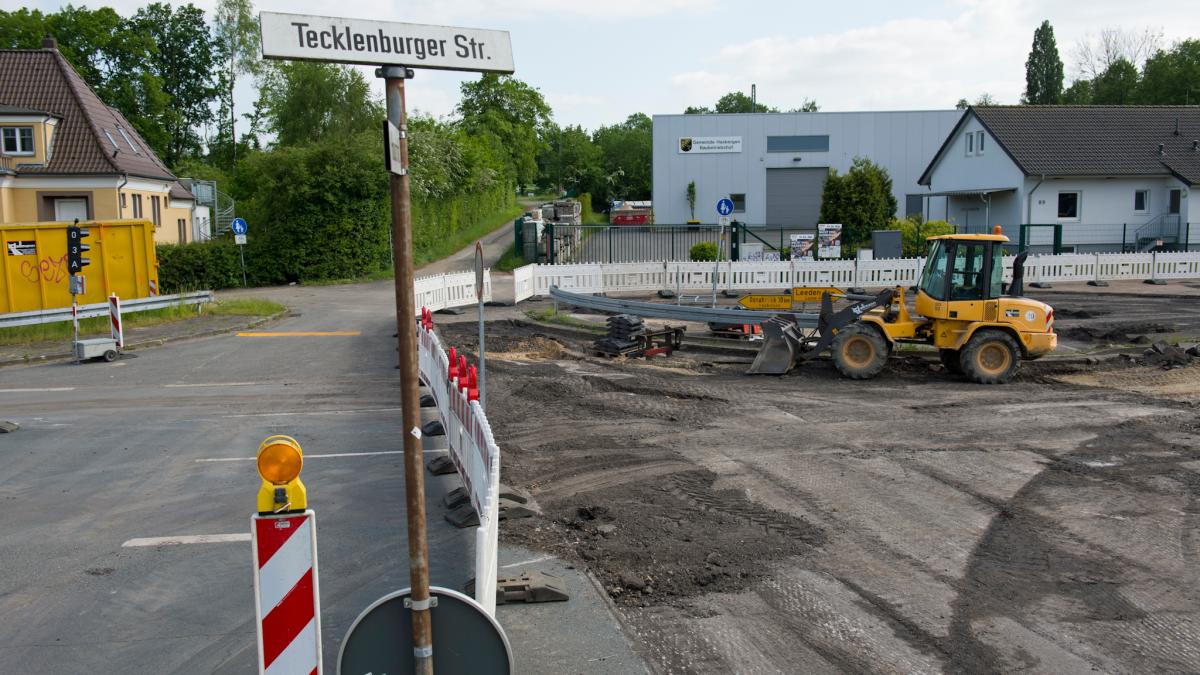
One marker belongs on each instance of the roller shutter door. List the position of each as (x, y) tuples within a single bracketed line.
[(794, 196)]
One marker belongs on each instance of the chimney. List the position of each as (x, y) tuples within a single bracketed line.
[(49, 42), (1161, 149), (1176, 126), (1196, 145)]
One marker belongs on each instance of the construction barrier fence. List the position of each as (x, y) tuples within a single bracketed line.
[(536, 280), (474, 452)]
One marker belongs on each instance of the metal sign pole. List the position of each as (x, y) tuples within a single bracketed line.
[(414, 479), (242, 255), (717, 263), (74, 323), (482, 349)]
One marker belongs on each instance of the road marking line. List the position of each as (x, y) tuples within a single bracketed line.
[(212, 384), (327, 333), (528, 562), (26, 391), (329, 455), (188, 539), (316, 412)]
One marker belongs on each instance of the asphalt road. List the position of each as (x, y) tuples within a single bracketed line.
[(159, 444)]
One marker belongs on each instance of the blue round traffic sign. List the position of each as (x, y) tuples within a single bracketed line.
[(238, 225), (725, 207)]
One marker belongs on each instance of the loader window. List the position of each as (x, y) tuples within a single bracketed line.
[(933, 278), (967, 281)]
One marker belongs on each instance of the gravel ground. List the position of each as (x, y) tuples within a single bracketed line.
[(913, 523)]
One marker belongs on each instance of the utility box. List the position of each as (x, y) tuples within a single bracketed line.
[(886, 244), (33, 263)]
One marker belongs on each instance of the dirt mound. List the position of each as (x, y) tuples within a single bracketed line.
[(533, 348), (1114, 332), (1068, 313)]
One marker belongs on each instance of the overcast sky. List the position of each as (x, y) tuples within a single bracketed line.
[(597, 61)]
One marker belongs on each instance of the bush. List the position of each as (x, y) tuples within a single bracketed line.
[(705, 251), (913, 231), (208, 265), (861, 200)]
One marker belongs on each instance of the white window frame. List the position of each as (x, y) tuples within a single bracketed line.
[(134, 148), (110, 138), (16, 137), (1145, 202), (970, 143), (978, 142), (1078, 206)]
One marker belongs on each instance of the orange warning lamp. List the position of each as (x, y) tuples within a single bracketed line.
[(996, 229), (280, 460)]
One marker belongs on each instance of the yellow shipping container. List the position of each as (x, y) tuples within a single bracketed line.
[(33, 263)]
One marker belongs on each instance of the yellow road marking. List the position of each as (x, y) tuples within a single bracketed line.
[(299, 333)]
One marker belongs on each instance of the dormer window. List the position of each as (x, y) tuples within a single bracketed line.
[(18, 140)]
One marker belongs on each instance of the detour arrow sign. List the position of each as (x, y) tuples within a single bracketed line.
[(766, 301), (814, 294)]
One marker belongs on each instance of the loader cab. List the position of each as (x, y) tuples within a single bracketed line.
[(962, 273)]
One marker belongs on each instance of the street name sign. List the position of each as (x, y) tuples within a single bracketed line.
[(340, 40)]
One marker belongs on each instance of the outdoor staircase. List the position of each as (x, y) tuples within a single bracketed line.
[(1165, 228)]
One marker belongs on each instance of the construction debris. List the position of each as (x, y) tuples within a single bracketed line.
[(528, 587)]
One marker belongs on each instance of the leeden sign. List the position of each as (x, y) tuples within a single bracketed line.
[(322, 38)]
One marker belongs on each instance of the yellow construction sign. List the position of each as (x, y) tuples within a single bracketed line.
[(814, 294), (766, 301)]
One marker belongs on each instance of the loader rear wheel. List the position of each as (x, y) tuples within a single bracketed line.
[(951, 359), (859, 351), (991, 357)]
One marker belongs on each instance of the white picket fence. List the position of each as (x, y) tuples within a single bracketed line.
[(536, 280), (457, 289), (475, 454)]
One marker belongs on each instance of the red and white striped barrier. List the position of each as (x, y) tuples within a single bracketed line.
[(114, 320), (473, 449), (287, 600)]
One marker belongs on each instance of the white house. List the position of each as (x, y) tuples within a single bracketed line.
[(1113, 177)]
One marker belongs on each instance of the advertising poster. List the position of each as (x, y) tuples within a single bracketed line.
[(830, 240), (802, 245)]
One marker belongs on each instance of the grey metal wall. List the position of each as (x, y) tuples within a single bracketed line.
[(794, 195), (903, 142)]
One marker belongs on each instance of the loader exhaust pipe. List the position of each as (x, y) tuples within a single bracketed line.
[(1017, 287)]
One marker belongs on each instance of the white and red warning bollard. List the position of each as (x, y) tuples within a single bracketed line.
[(114, 320), (287, 599)]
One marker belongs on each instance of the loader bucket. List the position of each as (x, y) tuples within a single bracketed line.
[(780, 346)]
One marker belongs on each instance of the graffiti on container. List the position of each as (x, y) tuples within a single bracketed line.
[(51, 270)]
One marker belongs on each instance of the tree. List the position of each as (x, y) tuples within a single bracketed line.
[(862, 201), (512, 115), (1079, 93), (737, 102), (626, 151), (237, 36), (1094, 55), (1172, 76), (962, 104), (303, 101), (809, 105), (183, 58), (1117, 85), (986, 99), (1044, 68), (570, 160)]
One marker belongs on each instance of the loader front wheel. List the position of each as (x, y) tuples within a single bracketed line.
[(991, 357), (859, 351)]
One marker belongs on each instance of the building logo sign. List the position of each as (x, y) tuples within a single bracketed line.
[(703, 145)]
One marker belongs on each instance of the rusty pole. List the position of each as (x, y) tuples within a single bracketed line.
[(406, 312)]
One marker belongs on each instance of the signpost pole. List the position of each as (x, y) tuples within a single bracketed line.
[(482, 349), (242, 255), (414, 479)]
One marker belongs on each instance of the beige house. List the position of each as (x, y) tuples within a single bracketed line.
[(64, 154)]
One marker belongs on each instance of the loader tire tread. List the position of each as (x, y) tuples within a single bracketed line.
[(859, 351)]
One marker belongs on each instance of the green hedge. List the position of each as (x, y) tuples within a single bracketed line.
[(209, 265), (437, 222)]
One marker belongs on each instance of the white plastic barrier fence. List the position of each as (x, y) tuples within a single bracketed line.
[(747, 276), (475, 454), (457, 289)]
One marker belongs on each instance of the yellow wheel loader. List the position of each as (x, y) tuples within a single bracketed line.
[(981, 330)]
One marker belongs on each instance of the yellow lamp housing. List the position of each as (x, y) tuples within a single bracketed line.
[(279, 462)]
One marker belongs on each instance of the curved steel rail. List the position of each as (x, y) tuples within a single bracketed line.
[(676, 312)]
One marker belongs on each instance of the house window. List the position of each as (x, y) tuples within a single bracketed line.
[(739, 202), (122, 202), (798, 143), (1141, 201), (970, 143), (18, 140), (155, 211), (137, 206), (182, 230), (129, 140), (111, 139), (979, 142), (1068, 205)]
